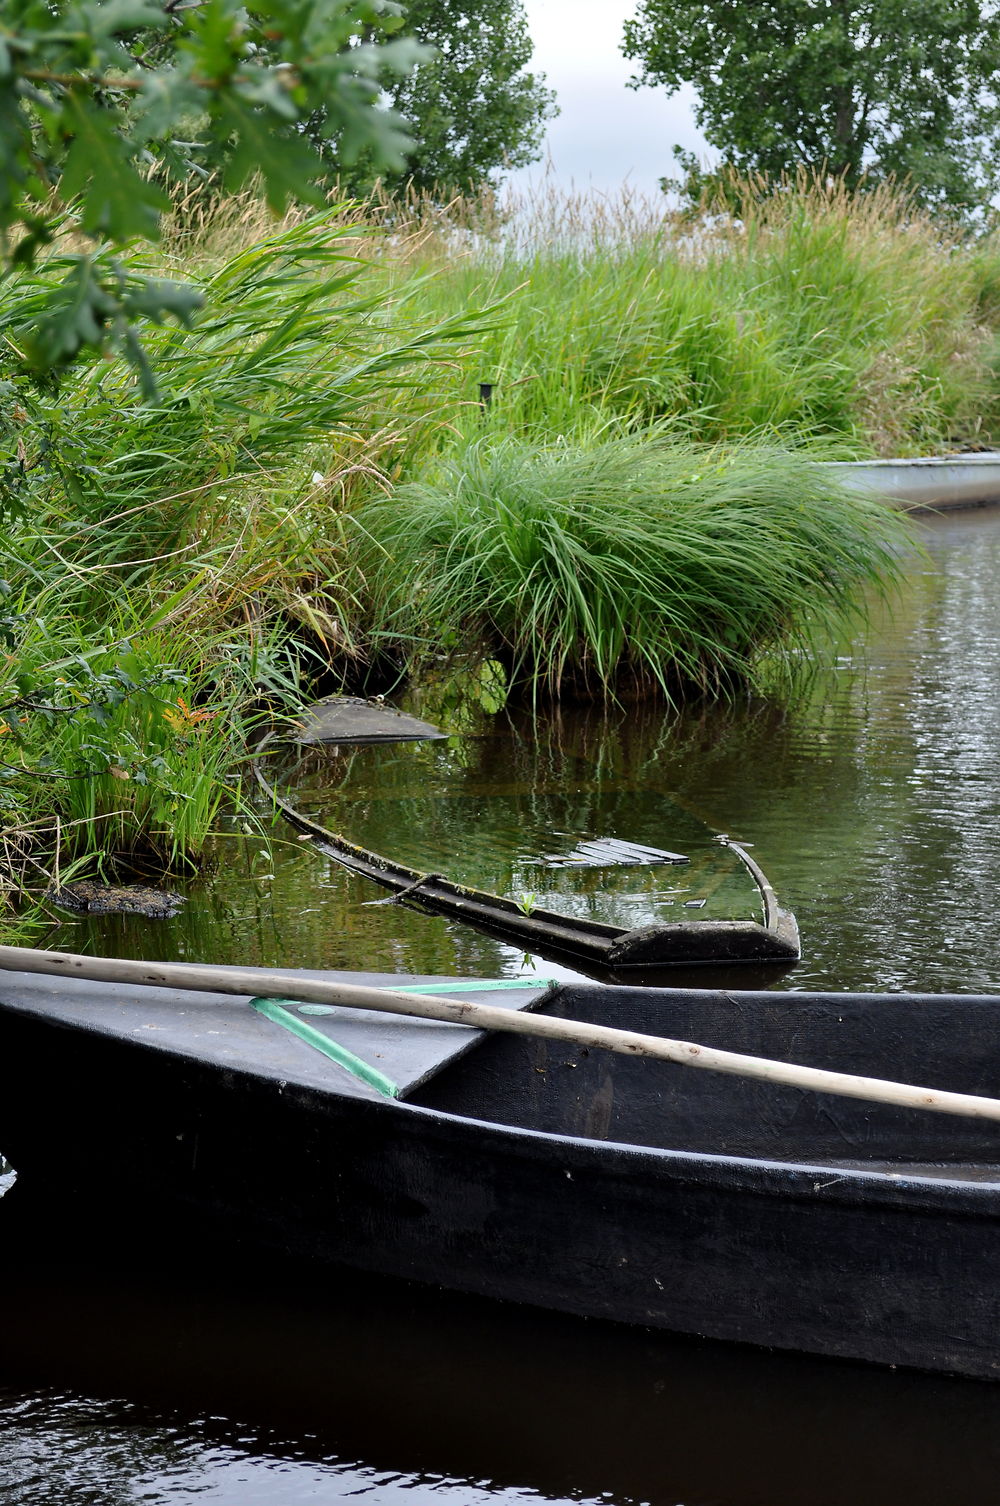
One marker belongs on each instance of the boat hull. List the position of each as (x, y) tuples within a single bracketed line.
[(122, 1141), (926, 485)]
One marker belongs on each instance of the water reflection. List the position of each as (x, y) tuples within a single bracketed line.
[(513, 813), (252, 1387)]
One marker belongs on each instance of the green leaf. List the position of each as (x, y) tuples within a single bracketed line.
[(112, 18), (156, 299), (75, 313), (117, 200), (95, 92), (167, 96), (96, 305), (287, 165)]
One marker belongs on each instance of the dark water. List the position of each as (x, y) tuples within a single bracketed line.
[(872, 803), (251, 1387)]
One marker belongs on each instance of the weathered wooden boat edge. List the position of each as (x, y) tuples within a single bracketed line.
[(691, 1241)]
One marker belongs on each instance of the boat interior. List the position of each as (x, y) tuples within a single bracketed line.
[(941, 1041)]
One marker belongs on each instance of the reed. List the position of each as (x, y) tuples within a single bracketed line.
[(171, 566), (290, 353)]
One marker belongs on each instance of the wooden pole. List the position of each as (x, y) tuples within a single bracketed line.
[(252, 981)]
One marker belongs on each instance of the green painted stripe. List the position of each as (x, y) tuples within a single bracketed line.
[(276, 1010), (469, 986), (472, 986)]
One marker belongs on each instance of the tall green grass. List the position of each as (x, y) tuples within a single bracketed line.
[(857, 321), (170, 566), (290, 353), (633, 563)]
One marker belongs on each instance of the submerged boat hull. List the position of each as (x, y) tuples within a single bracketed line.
[(596, 949), (618, 1188)]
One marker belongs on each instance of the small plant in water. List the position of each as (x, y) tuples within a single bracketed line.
[(526, 902)]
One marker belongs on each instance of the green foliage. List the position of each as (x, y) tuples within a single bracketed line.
[(627, 563), (169, 567), (815, 314), (129, 744), (289, 350), (473, 109), (219, 546), (867, 88), (96, 93)]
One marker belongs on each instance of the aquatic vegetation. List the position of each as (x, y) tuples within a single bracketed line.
[(635, 562), (319, 491)]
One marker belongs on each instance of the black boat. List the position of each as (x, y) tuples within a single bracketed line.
[(598, 903), (528, 1169)]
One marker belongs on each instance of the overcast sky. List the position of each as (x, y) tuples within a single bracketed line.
[(605, 133)]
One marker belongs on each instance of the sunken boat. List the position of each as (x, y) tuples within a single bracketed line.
[(607, 904), (368, 1121)]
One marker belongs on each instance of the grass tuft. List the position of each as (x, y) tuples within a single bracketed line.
[(633, 562)]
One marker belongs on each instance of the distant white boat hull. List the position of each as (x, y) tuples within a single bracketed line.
[(939, 482)]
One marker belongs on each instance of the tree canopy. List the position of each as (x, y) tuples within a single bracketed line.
[(472, 107), (100, 99), (883, 88)]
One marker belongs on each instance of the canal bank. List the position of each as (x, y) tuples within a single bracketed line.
[(868, 799)]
